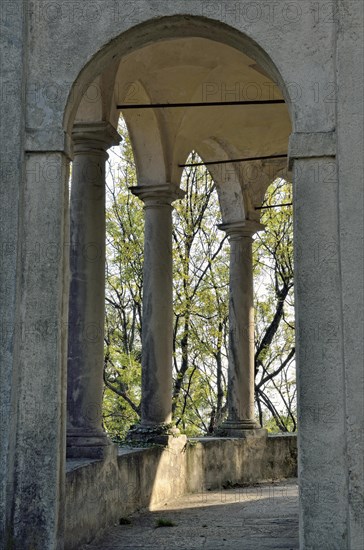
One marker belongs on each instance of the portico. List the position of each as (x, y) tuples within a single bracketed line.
[(170, 54)]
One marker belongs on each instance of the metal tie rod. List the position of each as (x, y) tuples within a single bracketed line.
[(202, 104), (273, 206), (247, 159)]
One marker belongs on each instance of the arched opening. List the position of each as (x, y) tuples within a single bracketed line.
[(176, 94), (164, 90)]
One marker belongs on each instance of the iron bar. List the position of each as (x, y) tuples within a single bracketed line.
[(273, 206), (201, 104), (247, 159)]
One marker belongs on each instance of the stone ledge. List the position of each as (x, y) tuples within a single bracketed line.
[(311, 145), (48, 141)]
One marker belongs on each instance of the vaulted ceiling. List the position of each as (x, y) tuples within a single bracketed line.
[(192, 70)]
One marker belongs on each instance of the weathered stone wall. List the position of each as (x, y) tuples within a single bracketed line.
[(12, 86), (350, 130), (99, 493), (313, 49)]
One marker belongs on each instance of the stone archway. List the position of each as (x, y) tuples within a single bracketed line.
[(165, 130), (324, 381)]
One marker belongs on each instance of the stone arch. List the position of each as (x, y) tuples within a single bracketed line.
[(228, 184), (147, 141), (165, 28), (155, 156)]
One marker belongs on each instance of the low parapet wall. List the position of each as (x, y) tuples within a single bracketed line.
[(99, 493), (213, 463)]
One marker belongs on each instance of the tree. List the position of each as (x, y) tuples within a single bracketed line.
[(275, 385), (124, 283), (200, 305)]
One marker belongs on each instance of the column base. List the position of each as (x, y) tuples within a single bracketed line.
[(88, 446), (159, 434), (240, 429)]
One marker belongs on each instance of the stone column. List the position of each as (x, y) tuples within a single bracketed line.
[(157, 332), (322, 407), (240, 421), (36, 482), (85, 435)]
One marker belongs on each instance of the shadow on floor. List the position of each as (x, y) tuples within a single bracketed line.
[(259, 517)]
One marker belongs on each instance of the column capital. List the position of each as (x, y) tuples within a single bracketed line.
[(94, 137), (158, 195), (244, 228)]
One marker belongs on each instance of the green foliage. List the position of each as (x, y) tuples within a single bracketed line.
[(200, 304), (271, 425), (124, 280), (274, 305)]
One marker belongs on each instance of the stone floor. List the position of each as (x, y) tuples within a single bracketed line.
[(259, 517)]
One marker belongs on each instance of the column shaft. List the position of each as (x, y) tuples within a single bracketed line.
[(157, 315), (240, 421), (85, 435), (241, 333), (157, 332)]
